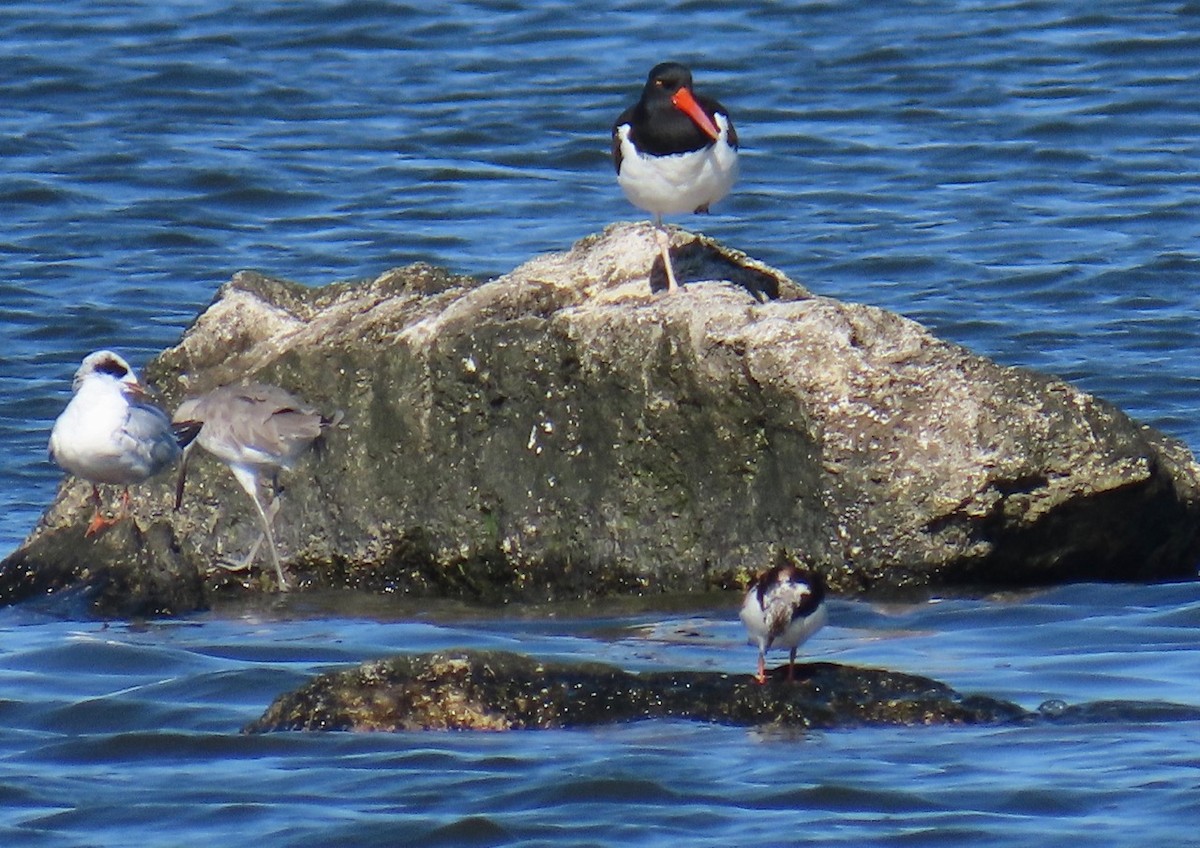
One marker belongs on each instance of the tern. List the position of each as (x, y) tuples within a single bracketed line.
[(110, 433)]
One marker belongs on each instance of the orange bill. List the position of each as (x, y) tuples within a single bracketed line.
[(686, 103)]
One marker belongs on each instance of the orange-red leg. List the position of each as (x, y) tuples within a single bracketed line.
[(99, 523), (761, 677)]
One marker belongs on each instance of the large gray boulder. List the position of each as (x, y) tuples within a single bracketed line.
[(566, 431)]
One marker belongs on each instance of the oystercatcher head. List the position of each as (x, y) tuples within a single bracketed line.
[(782, 608), (675, 151)]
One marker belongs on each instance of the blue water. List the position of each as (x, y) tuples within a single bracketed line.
[(1022, 177)]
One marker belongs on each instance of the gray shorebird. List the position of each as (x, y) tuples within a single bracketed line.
[(110, 433), (783, 607), (256, 430), (675, 151)]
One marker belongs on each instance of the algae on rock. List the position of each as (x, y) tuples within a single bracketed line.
[(497, 690)]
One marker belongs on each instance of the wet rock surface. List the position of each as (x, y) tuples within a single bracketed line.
[(493, 690), (497, 690), (564, 431)]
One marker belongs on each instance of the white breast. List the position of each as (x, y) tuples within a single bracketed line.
[(679, 183), (93, 438)]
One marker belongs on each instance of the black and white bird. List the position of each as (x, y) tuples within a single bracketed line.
[(256, 430), (110, 433), (675, 151), (783, 607)]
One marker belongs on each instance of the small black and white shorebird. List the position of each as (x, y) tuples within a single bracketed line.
[(783, 607), (675, 151), (256, 430), (110, 433)]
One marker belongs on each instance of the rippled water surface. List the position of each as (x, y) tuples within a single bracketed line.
[(120, 733), (1022, 177)]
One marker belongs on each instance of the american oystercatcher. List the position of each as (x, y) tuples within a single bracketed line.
[(675, 151), (255, 429), (110, 432), (783, 607)]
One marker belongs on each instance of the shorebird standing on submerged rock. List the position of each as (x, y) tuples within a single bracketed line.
[(783, 607), (254, 429), (675, 151), (111, 433)]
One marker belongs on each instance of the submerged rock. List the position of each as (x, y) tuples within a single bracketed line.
[(562, 431), (495, 690)]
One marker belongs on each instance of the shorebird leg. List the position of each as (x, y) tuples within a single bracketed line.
[(664, 248), (791, 675), (249, 481), (272, 511), (761, 677)]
